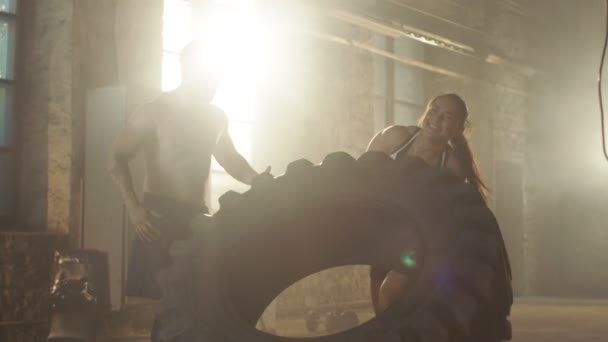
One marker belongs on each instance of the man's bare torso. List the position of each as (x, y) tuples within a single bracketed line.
[(178, 154)]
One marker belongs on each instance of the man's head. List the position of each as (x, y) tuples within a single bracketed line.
[(445, 116), (197, 72)]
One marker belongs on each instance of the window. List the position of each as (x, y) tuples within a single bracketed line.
[(398, 89), (8, 15), (177, 32), (230, 31)]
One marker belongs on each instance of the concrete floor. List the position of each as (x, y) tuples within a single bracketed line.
[(542, 320), (560, 320), (534, 320)]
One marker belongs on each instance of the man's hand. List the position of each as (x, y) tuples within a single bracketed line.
[(145, 230), (267, 172), (266, 175)]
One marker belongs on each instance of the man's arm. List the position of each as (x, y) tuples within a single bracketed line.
[(233, 162), (130, 141)]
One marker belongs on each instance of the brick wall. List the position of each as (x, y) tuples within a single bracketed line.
[(46, 115), (317, 100)]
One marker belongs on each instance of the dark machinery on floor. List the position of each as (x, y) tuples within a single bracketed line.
[(80, 297)]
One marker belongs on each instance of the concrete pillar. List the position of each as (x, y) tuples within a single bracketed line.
[(70, 46)]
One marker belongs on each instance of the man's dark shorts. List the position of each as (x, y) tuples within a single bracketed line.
[(148, 258)]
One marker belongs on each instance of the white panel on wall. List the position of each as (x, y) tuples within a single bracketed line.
[(104, 223)]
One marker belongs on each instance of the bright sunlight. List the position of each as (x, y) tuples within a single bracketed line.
[(237, 46)]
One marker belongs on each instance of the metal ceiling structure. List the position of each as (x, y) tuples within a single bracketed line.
[(403, 19)]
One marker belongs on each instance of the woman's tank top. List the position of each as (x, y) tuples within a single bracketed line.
[(408, 142)]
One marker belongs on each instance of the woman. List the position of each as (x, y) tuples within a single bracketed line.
[(439, 140)]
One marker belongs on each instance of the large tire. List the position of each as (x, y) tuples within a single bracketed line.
[(369, 211)]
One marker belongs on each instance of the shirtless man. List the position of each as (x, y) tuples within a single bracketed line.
[(177, 133), (440, 141)]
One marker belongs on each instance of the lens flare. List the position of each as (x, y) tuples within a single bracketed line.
[(408, 260)]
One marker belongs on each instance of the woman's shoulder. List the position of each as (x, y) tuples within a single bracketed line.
[(391, 137), (400, 131)]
